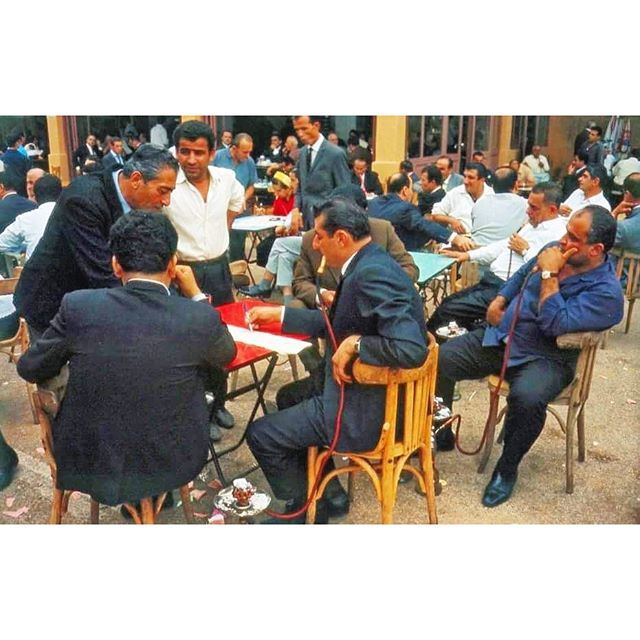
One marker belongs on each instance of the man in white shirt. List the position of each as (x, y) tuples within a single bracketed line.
[(455, 208), (158, 135), (24, 233), (504, 258), (33, 175), (589, 191), (625, 167), (450, 179), (538, 164), (497, 216), (203, 206)]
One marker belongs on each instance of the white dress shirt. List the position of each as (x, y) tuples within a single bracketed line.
[(534, 163), (24, 233), (496, 217), (458, 204), (504, 262), (315, 147), (202, 226), (577, 200)]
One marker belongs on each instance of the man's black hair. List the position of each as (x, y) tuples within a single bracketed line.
[(342, 213), (603, 226), (597, 171), (477, 167), (350, 192), (13, 137), (149, 160), (448, 159), (10, 180), (552, 192), (504, 179), (143, 241), (433, 174), (597, 129), (192, 130), (397, 182), (583, 156), (47, 188), (632, 185), (406, 165)]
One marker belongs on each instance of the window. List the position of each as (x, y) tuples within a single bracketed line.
[(481, 142)]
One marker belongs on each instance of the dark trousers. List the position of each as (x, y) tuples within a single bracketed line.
[(214, 278), (532, 386), (466, 307), (9, 325), (237, 240)]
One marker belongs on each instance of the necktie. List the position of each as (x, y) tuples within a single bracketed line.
[(309, 152)]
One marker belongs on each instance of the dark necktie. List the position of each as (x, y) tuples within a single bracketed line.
[(309, 152)]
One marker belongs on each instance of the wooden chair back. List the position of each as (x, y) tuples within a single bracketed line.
[(8, 286), (631, 263)]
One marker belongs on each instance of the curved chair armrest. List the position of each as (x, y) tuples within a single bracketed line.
[(580, 340)]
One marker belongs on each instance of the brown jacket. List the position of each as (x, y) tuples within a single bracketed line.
[(304, 277)]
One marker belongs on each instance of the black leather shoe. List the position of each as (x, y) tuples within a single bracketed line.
[(224, 418), (167, 504), (322, 514), (445, 440), (498, 490), (336, 499), (215, 435), (8, 468)]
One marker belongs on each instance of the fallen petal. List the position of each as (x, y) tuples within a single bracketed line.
[(197, 493), (16, 514), (199, 514), (630, 401), (9, 501), (215, 484), (40, 450)]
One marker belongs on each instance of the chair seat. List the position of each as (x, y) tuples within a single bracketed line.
[(562, 398)]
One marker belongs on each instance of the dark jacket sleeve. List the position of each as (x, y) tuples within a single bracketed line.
[(44, 358), (397, 251), (221, 349), (85, 233), (411, 220), (304, 279), (304, 321)]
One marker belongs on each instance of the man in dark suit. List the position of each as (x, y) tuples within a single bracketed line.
[(321, 168), (414, 230), (134, 420), (432, 191), (73, 252), (377, 316), (86, 157), (450, 179), (115, 156), (13, 158), (367, 180), (11, 204)]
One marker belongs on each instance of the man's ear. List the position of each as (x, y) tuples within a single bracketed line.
[(118, 271), (171, 267)]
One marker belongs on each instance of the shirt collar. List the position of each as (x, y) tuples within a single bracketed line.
[(125, 205), (164, 286), (345, 266), (316, 145)]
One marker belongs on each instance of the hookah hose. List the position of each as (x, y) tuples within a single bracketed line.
[(495, 393), (338, 420)]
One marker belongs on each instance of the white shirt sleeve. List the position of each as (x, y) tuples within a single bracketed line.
[(12, 238), (444, 206), (236, 202), (487, 254)]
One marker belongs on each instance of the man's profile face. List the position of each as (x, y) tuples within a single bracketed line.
[(308, 132), (117, 147), (586, 182), (443, 168), (226, 138), (478, 157), (576, 236), (153, 194), (535, 151), (537, 209), (193, 157), (472, 182), (327, 245), (91, 140), (332, 138), (359, 167), (33, 175), (242, 151), (594, 136), (427, 185), (275, 142)]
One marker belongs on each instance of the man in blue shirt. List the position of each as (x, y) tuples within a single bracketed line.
[(570, 286), (238, 158)]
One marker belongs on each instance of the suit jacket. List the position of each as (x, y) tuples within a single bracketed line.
[(427, 200), (82, 154), (134, 421), (371, 182), (11, 206), (628, 232), (306, 270), (109, 163), (19, 164), (455, 180), (377, 300), (73, 252), (414, 230), (328, 171)]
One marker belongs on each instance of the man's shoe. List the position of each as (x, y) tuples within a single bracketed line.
[(336, 500), (167, 504), (445, 440), (498, 490), (255, 291), (224, 418), (215, 435), (322, 514), (8, 467)]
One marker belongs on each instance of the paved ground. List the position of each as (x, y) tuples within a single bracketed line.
[(607, 486)]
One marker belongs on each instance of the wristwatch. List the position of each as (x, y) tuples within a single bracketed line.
[(545, 275)]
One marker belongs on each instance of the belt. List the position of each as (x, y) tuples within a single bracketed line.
[(204, 262)]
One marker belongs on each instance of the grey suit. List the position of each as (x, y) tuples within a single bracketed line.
[(628, 232), (328, 171), (455, 180)]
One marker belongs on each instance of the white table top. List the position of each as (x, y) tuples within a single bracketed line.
[(257, 223)]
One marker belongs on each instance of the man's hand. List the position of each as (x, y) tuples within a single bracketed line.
[(552, 258), (327, 297), (458, 256), (259, 316), (342, 358), (518, 244), (296, 222), (564, 210), (495, 310), (624, 207), (457, 226), (186, 281), (463, 243)]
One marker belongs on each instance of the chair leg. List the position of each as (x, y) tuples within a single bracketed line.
[(569, 448), (34, 413), (234, 381), (312, 457), (388, 492), (56, 507), (629, 312), (187, 507), (147, 511), (427, 463), (581, 443), (94, 517), (293, 363), (491, 429)]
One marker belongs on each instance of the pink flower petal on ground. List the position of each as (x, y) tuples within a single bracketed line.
[(76, 495), (16, 514), (630, 401), (9, 501), (197, 493), (199, 514), (40, 450), (215, 484)]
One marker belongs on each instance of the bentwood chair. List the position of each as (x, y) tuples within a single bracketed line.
[(574, 397), (384, 464), (46, 405), (631, 263)]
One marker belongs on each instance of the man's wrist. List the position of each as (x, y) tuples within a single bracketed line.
[(197, 297)]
